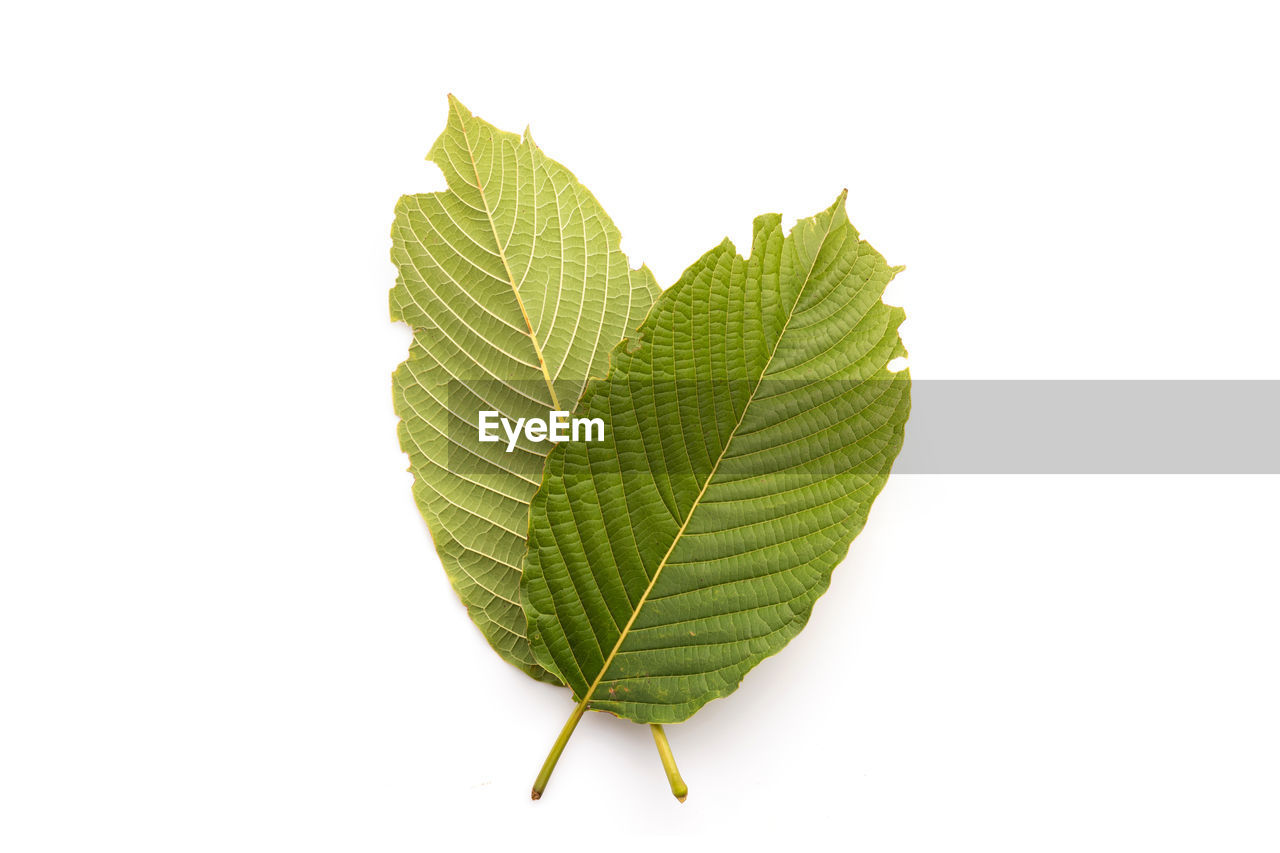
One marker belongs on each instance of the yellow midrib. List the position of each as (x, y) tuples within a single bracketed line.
[(710, 476), (502, 254)]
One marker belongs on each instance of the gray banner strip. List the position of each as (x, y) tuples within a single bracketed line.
[(1093, 427)]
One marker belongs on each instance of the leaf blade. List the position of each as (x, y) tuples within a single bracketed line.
[(805, 322), (515, 286)]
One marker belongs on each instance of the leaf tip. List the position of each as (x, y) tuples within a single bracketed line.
[(457, 106)]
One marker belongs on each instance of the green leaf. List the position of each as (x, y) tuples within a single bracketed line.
[(748, 431), (516, 290)]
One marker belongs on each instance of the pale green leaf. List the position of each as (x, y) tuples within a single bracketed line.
[(516, 290), (748, 430)]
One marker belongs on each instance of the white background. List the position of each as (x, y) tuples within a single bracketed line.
[(222, 623)]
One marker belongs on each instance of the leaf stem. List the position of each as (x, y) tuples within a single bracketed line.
[(540, 784), (678, 788)]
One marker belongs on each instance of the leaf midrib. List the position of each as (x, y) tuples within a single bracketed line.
[(710, 476), (511, 279)]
